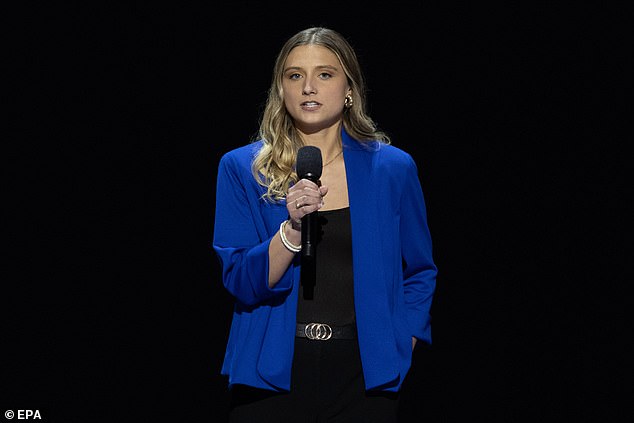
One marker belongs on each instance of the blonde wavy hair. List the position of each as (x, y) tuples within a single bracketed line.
[(273, 166)]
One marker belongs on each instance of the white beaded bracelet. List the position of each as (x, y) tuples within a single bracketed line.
[(286, 242)]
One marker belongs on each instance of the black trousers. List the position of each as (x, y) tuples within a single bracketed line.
[(326, 386)]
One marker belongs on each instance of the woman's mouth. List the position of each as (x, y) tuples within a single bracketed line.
[(310, 105)]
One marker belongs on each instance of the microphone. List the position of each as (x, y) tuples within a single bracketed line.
[(309, 166)]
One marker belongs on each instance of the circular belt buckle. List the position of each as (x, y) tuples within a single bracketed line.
[(318, 331)]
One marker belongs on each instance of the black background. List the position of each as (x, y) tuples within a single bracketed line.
[(112, 300)]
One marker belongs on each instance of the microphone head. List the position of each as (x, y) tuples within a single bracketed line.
[(309, 163)]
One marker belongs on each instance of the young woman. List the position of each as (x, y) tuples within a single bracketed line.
[(343, 352)]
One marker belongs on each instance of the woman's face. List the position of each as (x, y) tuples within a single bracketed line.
[(315, 87)]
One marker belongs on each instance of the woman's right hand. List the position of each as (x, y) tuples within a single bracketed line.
[(303, 198)]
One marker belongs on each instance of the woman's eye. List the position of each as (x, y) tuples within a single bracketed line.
[(294, 76), (325, 75)]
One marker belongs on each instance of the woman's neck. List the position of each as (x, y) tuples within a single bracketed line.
[(327, 140)]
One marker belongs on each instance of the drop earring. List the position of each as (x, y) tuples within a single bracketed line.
[(347, 102)]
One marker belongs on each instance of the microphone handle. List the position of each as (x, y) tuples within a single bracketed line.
[(309, 225), (309, 235)]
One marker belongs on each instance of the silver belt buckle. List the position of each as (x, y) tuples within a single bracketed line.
[(318, 331)]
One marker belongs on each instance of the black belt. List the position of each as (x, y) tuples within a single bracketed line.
[(325, 332)]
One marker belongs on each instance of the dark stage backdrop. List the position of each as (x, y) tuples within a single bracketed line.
[(114, 306)]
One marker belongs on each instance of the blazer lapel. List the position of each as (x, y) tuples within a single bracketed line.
[(364, 196), (371, 296)]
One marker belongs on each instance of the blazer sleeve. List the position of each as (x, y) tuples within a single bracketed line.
[(419, 270), (240, 240)]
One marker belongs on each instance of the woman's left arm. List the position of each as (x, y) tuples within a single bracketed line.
[(419, 269)]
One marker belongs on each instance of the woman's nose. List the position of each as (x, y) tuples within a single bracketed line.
[(309, 88)]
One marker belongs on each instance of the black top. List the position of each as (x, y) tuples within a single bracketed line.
[(332, 299)]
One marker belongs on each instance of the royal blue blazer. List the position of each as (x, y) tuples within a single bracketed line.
[(394, 273)]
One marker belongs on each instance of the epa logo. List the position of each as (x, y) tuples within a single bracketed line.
[(23, 414)]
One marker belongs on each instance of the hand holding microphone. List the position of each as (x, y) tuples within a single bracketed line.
[(306, 197)]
